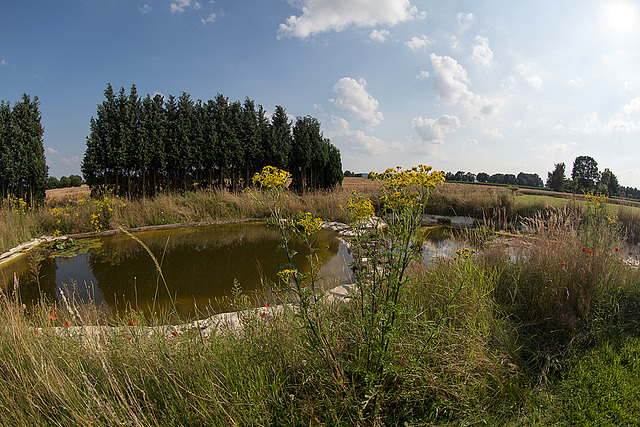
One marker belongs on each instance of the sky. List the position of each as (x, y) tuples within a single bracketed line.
[(482, 86)]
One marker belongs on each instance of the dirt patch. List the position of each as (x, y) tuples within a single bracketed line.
[(68, 194)]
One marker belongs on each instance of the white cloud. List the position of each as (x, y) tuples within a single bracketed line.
[(180, 5), (209, 19), (433, 130), (352, 96), (51, 151), (493, 133), (482, 54), (357, 142), (423, 75), (632, 107), (526, 70), (145, 8), (320, 16), (3, 62), (578, 82), (379, 35), (197, 6), (54, 156), (450, 80), (453, 42), (417, 43), (471, 143), (465, 20)]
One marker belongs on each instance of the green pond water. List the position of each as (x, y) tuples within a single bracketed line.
[(199, 264)]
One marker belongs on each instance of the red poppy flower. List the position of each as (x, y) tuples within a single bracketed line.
[(130, 323), (562, 264), (174, 333), (35, 332), (591, 251), (263, 314), (616, 249), (66, 323), (584, 249), (53, 316)]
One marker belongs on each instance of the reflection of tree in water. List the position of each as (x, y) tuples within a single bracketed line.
[(199, 264), (35, 278)]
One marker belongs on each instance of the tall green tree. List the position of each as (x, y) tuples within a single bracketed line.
[(277, 149), (26, 168), (556, 180), (585, 173), (608, 183)]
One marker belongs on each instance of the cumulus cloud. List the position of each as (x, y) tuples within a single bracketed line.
[(357, 142), (379, 35), (465, 20), (145, 8), (54, 156), (180, 5), (482, 54), (450, 80), (320, 16), (493, 133), (52, 151), (209, 19), (632, 106), (526, 70), (353, 97), (434, 130), (549, 149), (423, 75), (417, 43)]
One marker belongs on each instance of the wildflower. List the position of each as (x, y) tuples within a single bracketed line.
[(584, 249), (616, 249), (174, 333), (53, 316), (66, 323), (562, 264), (130, 323), (263, 314), (271, 177), (309, 223), (35, 332), (591, 251)]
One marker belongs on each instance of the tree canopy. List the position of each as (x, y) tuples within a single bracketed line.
[(585, 173), (139, 146), (23, 167)]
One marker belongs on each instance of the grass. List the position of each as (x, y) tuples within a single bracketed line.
[(530, 331)]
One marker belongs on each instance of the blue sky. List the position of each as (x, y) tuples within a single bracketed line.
[(491, 86)]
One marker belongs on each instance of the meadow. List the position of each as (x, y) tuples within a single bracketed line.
[(537, 325)]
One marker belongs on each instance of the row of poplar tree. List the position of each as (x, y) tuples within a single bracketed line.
[(23, 168), (139, 146)]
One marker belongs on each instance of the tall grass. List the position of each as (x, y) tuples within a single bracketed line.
[(510, 334)]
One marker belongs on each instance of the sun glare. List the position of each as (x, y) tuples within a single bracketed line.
[(620, 18)]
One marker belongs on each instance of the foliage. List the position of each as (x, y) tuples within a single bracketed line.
[(23, 169), (556, 179), (585, 173), (139, 147)]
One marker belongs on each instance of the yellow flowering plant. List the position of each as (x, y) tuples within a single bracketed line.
[(381, 258)]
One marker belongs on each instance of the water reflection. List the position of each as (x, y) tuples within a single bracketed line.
[(199, 265)]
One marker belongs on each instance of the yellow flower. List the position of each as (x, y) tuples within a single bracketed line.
[(309, 224), (360, 207), (271, 177)]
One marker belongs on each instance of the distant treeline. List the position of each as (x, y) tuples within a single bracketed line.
[(23, 168), (64, 181), (522, 179), (139, 146)]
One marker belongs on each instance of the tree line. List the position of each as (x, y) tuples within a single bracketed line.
[(522, 179), (64, 181), (23, 168), (139, 146), (585, 177)]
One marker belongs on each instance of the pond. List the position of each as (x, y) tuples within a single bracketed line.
[(200, 266)]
